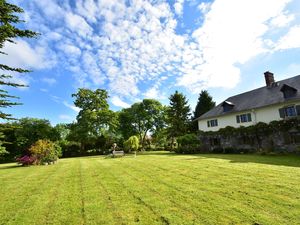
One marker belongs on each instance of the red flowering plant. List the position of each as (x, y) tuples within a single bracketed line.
[(26, 160)]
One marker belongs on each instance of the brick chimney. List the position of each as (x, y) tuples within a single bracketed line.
[(269, 77)]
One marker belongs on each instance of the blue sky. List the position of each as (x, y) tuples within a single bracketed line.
[(138, 49)]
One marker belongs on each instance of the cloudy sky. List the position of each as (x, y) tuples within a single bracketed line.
[(140, 49)]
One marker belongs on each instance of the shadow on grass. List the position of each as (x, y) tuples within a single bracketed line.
[(283, 160), (11, 166), (158, 153)]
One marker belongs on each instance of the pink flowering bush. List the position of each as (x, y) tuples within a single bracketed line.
[(26, 160)]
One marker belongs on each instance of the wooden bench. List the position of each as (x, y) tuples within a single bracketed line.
[(118, 153)]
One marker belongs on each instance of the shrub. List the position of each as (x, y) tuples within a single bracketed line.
[(70, 148), (132, 144), (26, 160), (190, 149), (45, 151), (217, 150), (189, 144), (188, 139)]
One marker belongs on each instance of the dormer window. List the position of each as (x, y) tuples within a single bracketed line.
[(227, 106), (288, 91)]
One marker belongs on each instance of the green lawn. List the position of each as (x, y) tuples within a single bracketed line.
[(154, 188)]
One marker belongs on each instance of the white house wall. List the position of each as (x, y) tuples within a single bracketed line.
[(266, 115)]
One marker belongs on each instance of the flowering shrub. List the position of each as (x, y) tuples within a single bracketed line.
[(45, 151), (42, 151), (26, 160)]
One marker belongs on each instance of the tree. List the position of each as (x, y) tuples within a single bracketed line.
[(8, 32), (61, 130), (94, 119), (26, 131), (142, 118), (132, 144), (204, 104), (178, 115)]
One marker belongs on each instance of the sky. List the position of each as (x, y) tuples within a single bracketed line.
[(137, 49)]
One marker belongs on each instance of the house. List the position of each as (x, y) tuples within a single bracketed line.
[(275, 101)]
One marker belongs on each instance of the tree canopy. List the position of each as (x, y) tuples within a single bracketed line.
[(141, 118), (94, 118)]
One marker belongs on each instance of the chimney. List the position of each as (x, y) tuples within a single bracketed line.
[(269, 77)]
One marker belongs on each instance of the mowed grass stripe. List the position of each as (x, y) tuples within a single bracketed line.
[(184, 198), (23, 191), (99, 208), (152, 193), (256, 184), (182, 193), (133, 208)]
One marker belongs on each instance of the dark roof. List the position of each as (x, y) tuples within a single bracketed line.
[(257, 98)]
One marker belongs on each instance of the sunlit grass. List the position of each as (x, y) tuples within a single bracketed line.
[(155, 188)]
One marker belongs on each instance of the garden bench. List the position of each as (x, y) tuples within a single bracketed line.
[(118, 153)]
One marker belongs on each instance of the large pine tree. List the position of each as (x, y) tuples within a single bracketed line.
[(178, 115), (204, 104), (8, 32)]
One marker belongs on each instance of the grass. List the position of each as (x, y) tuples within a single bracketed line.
[(154, 188)]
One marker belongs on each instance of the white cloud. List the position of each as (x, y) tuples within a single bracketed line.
[(204, 7), (43, 90), (230, 35), (64, 117), (152, 92), (282, 20), (73, 107), (178, 6), (78, 24), (290, 40), (70, 49), (23, 55), (126, 46), (119, 102), (49, 81)]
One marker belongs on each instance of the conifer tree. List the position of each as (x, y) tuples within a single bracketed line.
[(8, 33), (204, 104), (178, 115)]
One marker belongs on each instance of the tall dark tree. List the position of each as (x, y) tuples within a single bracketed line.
[(8, 32), (204, 104), (178, 115)]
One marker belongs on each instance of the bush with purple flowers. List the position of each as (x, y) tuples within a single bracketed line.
[(26, 160)]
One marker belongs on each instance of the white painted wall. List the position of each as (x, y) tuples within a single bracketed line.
[(265, 114)]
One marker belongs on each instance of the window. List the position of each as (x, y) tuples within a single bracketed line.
[(289, 111), (243, 118), (288, 91), (227, 106), (212, 123)]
